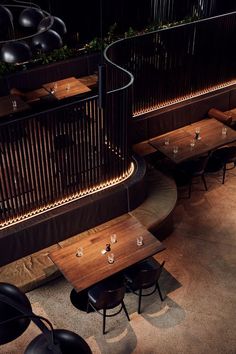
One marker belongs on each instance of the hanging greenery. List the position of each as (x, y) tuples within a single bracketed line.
[(94, 45)]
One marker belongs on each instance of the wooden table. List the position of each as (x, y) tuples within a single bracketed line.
[(92, 267), (35, 95), (66, 88), (6, 107), (211, 138)]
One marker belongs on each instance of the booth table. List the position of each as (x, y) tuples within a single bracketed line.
[(93, 266), (66, 88), (6, 105), (211, 137)]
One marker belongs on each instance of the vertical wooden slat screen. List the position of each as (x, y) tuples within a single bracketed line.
[(53, 156), (178, 62)]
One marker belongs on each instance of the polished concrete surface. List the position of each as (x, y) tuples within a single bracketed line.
[(198, 314)]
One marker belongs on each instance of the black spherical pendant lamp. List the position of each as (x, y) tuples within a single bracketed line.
[(44, 35), (15, 52), (47, 41), (13, 329), (58, 25), (30, 17), (68, 343), (5, 17)]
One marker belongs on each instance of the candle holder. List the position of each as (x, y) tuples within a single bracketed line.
[(108, 247)]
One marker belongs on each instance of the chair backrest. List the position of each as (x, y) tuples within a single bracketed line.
[(201, 164), (205, 160), (110, 298), (147, 276)]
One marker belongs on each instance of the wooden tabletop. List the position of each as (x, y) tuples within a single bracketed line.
[(35, 95), (92, 267), (211, 137), (66, 88), (6, 105)]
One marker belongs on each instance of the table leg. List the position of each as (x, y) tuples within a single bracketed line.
[(80, 300)]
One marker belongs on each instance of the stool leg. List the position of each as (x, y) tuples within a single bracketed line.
[(139, 300), (159, 291), (88, 305), (125, 309), (190, 188), (204, 181), (104, 321), (224, 170)]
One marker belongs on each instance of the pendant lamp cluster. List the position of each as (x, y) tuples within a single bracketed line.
[(27, 29)]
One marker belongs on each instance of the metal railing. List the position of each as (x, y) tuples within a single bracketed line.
[(179, 62), (52, 157)]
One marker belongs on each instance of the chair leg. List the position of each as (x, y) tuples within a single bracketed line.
[(125, 309), (190, 188), (88, 304), (159, 291), (104, 321), (139, 300), (224, 170), (204, 181)]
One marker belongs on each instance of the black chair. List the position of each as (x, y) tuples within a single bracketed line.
[(142, 276), (226, 155), (107, 295), (195, 168)]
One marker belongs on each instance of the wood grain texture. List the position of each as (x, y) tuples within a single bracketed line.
[(92, 267), (62, 91), (6, 105), (211, 138), (35, 95)]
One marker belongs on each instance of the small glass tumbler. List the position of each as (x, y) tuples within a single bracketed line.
[(67, 87), (79, 252), (111, 258), (113, 238), (175, 149), (224, 131), (167, 141), (14, 104), (192, 143), (139, 240)]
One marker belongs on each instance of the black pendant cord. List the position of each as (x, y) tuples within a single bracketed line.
[(101, 30), (38, 320)]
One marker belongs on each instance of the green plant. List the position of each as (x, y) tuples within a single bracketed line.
[(56, 55), (6, 68), (130, 33)]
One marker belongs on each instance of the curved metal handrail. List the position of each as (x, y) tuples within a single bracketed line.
[(117, 66)]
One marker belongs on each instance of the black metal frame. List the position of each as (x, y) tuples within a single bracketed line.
[(178, 62)]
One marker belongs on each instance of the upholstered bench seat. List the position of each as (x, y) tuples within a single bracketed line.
[(155, 214), (31, 271)]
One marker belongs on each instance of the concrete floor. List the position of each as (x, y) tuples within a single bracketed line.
[(198, 315)]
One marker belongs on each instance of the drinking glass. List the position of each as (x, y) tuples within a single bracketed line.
[(111, 258), (79, 252), (113, 238), (167, 141), (175, 149), (139, 240), (14, 104), (67, 87), (224, 131), (55, 86), (192, 143)]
